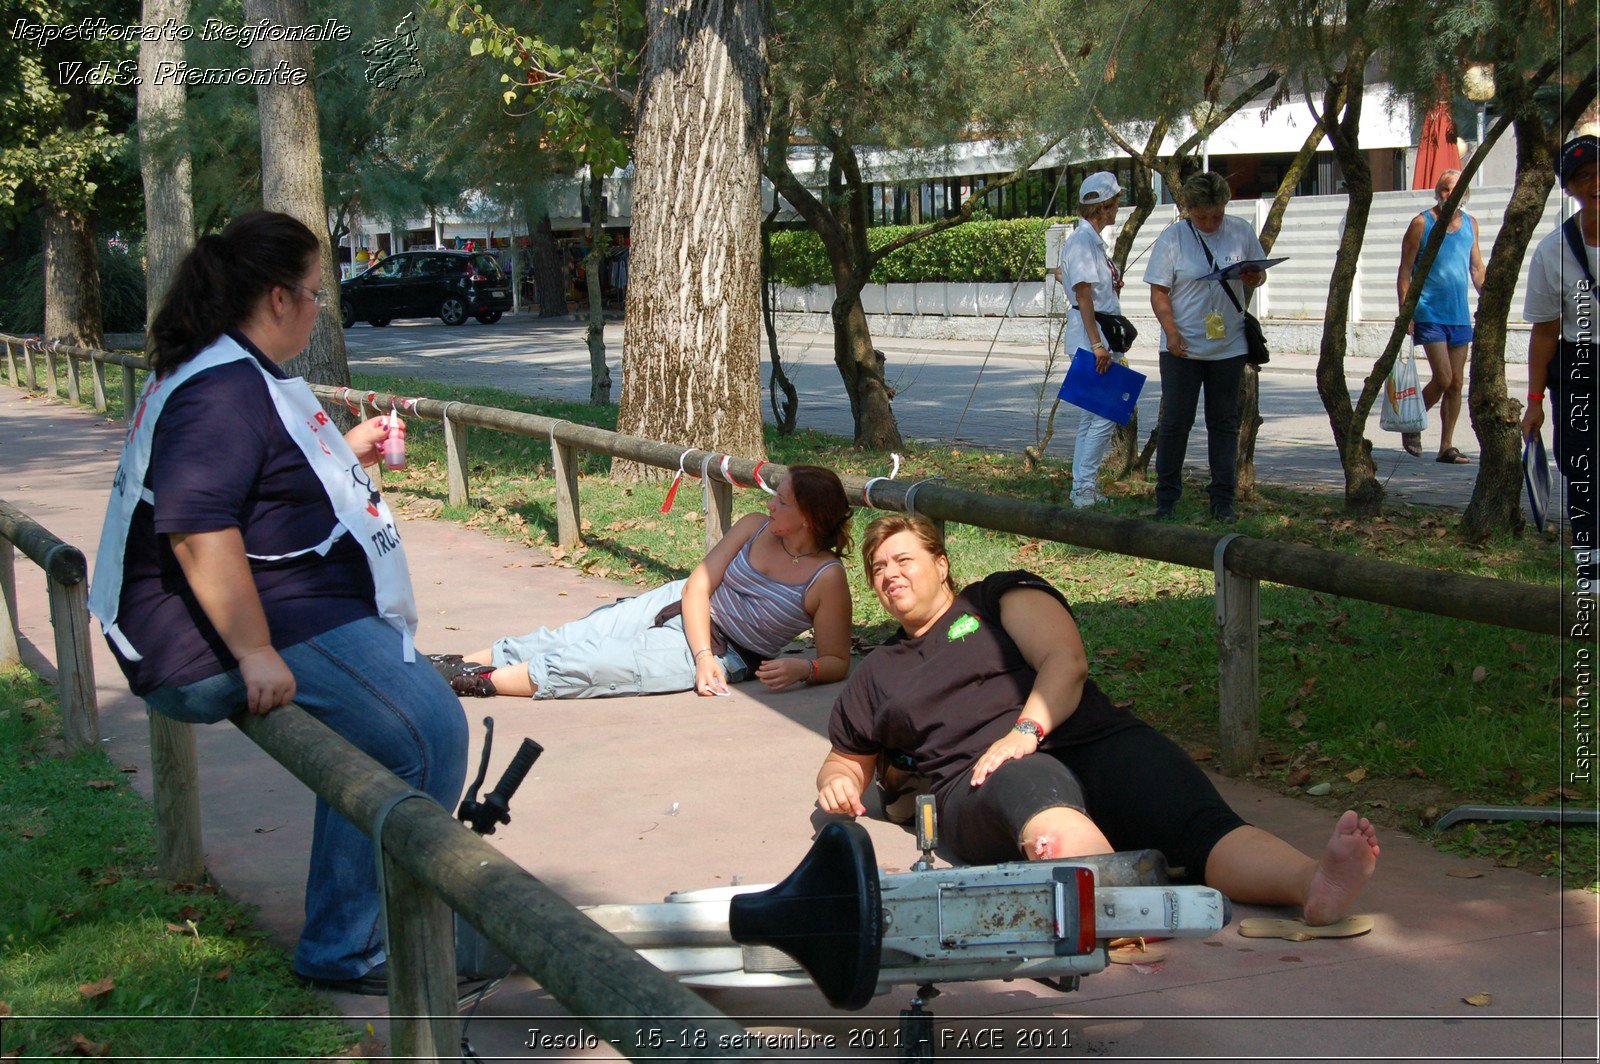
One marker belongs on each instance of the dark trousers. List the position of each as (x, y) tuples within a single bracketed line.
[(1572, 408), (1181, 382)]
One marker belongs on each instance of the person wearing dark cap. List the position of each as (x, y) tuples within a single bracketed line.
[(1561, 305)]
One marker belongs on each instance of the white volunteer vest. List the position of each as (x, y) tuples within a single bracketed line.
[(357, 505)]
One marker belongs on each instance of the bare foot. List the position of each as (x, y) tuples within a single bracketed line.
[(1346, 866)]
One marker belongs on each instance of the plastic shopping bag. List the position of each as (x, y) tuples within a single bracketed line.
[(1403, 408)]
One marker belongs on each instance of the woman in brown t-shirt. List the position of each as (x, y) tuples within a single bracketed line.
[(979, 683)]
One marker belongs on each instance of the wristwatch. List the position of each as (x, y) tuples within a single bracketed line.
[(1030, 727)]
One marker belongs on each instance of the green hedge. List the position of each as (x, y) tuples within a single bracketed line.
[(1008, 250)]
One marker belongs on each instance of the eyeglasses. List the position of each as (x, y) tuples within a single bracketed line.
[(317, 296)]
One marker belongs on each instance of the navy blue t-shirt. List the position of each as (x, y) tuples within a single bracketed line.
[(221, 458)]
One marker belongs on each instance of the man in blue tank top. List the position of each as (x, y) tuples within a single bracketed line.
[(1442, 323)]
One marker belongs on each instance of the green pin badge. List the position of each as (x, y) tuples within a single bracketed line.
[(964, 626)]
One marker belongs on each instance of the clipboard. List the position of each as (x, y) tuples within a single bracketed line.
[(1112, 394), (1232, 271)]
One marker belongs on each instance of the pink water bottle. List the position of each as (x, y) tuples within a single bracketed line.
[(394, 446)]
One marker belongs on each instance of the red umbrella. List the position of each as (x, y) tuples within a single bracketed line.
[(1436, 148)]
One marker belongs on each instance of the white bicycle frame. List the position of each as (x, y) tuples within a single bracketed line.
[(1034, 920)]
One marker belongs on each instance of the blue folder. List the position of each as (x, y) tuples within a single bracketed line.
[(1536, 474), (1111, 394)]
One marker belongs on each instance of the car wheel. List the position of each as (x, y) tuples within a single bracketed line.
[(490, 318), (377, 323), (347, 313), (452, 311)]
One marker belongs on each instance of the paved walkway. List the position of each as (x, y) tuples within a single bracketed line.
[(935, 380), (638, 797)]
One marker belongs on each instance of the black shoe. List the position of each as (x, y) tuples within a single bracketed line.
[(375, 983), (1162, 512), (474, 682), (1224, 512)]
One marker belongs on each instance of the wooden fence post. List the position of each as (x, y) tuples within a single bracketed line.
[(11, 366), (69, 615), (1238, 663), (98, 370), (425, 1024), (74, 384), (130, 393), (30, 369), (50, 371), (718, 498), (455, 460), (569, 523), (10, 651), (180, 853)]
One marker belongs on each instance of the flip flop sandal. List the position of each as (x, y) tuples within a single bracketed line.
[(1452, 456), (1134, 951), (474, 682), (1300, 931), (1412, 442)]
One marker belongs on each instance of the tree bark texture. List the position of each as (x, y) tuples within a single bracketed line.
[(549, 278), (1496, 502), (690, 356), (1363, 494), (163, 160), (595, 335), (291, 176), (842, 225), (71, 277)]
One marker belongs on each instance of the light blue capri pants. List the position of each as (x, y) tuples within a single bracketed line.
[(616, 650)]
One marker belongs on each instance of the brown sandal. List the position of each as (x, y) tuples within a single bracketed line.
[(1412, 442), (1452, 456)]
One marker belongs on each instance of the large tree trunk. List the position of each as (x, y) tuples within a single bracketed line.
[(1363, 494), (163, 157), (71, 277), (861, 366), (1496, 502), (291, 176), (690, 354), (595, 335), (549, 275)]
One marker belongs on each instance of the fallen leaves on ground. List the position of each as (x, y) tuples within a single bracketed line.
[(97, 989), (1479, 1000)]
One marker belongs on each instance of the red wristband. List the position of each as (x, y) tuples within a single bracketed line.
[(813, 678), (1537, 397)]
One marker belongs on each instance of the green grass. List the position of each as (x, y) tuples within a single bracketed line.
[(79, 907), (1347, 688)]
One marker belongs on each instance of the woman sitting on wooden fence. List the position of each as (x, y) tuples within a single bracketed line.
[(247, 560), (987, 689), (766, 581)]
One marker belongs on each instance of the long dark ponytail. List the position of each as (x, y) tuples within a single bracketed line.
[(219, 282)]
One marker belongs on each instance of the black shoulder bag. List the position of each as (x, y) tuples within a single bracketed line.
[(1255, 351)]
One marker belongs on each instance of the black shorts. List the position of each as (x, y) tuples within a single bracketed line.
[(1139, 787)]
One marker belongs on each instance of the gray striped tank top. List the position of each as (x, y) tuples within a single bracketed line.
[(756, 611)]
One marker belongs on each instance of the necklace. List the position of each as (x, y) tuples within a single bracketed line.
[(793, 557)]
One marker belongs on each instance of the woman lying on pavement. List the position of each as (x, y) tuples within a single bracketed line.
[(988, 690), (766, 581)]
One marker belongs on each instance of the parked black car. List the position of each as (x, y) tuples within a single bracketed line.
[(449, 285)]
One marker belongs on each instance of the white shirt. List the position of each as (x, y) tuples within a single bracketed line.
[(1177, 261), (1084, 259), (1556, 288)]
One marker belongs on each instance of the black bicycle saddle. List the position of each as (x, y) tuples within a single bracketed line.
[(827, 915)]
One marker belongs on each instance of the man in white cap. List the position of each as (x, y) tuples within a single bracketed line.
[(1092, 282)]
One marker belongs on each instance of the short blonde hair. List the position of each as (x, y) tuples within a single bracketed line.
[(1206, 189)]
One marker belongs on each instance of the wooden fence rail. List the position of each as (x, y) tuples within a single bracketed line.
[(66, 575), (1239, 563)]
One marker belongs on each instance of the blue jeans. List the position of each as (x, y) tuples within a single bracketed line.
[(615, 650), (1181, 381), (404, 715)]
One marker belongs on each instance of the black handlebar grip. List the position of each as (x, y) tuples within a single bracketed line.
[(527, 754)]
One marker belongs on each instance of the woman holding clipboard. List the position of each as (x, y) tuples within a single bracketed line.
[(1203, 338)]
